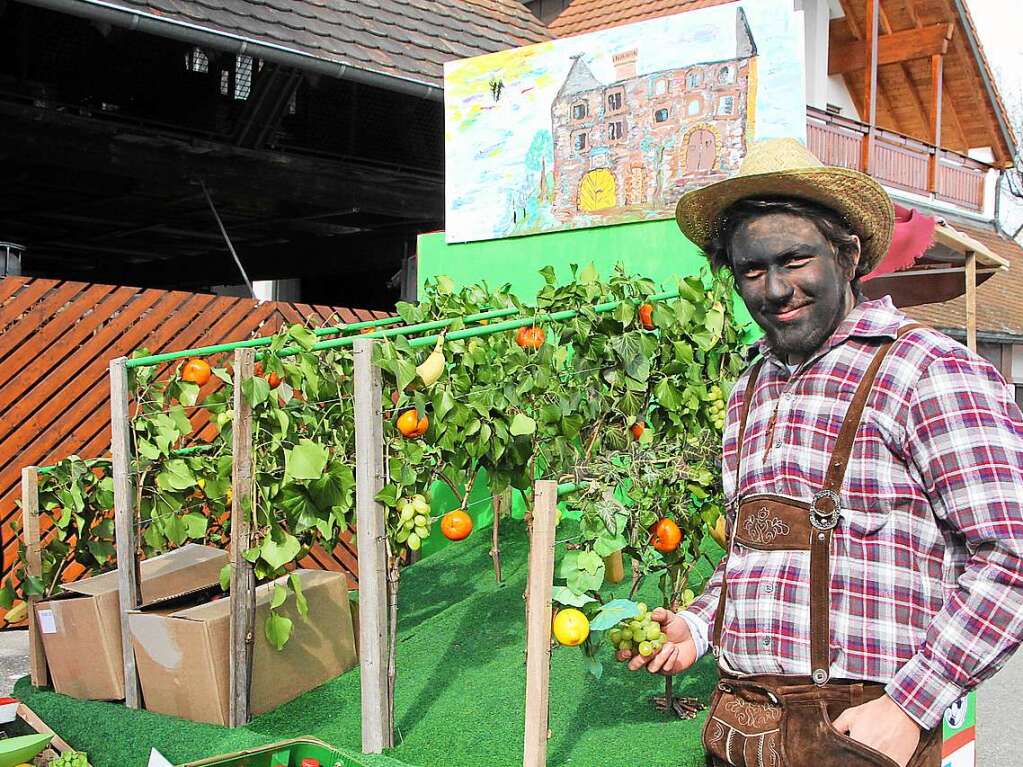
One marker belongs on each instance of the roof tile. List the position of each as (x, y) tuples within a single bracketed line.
[(410, 39)]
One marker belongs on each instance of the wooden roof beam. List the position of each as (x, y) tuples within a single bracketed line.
[(892, 48)]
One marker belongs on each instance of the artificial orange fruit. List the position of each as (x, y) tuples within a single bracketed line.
[(646, 316), (637, 429), (665, 535), (274, 380), (363, 331), (411, 425), (530, 338), (196, 371), (571, 627), (456, 525)]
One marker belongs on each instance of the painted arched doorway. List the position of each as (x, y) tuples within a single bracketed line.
[(597, 191), (701, 150)]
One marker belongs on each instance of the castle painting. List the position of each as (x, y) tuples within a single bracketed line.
[(612, 127)]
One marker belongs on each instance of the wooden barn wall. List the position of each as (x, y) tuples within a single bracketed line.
[(56, 341)]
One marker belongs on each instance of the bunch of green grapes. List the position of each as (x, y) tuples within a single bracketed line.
[(717, 407), (413, 521), (71, 759), (637, 635)]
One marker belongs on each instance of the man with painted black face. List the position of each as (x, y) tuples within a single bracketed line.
[(873, 470)]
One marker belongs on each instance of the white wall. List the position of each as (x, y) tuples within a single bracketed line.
[(821, 89)]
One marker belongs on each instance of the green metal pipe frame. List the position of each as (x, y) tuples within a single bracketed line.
[(94, 461), (405, 329)]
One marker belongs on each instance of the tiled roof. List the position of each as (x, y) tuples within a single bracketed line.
[(999, 299), (410, 39), (589, 15)]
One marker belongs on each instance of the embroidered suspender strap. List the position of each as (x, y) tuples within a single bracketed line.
[(825, 510), (751, 385)]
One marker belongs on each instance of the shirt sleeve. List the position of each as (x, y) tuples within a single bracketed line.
[(700, 613), (964, 437)]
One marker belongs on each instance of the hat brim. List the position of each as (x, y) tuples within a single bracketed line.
[(858, 198)]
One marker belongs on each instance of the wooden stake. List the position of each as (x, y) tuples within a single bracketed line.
[(538, 622), (870, 81), (502, 505), (614, 568), (243, 579), (377, 727), (129, 593), (971, 300), (937, 68), (34, 567)]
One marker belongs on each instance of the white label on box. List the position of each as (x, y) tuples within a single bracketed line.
[(46, 622)]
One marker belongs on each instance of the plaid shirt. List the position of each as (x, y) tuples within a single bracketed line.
[(927, 562)]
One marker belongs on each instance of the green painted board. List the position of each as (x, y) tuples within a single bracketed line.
[(22, 749)]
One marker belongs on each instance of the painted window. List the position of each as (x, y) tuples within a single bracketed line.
[(579, 110), (579, 141), (616, 130), (727, 74), (694, 108), (661, 87), (694, 79), (661, 115), (726, 106), (615, 100)]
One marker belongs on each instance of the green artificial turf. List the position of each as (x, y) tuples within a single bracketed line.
[(460, 689)]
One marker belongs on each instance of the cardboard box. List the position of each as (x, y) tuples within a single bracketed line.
[(182, 649), (81, 627)]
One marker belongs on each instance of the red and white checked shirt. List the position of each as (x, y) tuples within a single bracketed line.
[(927, 562)]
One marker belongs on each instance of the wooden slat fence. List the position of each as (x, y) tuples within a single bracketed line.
[(56, 340)]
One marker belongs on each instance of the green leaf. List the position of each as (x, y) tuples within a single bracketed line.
[(445, 284), (188, 393), (176, 475), (613, 613), (102, 550), (196, 525), (388, 496), (180, 422), (148, 449), (278, 630), (405, 372), (301, 604), (277, 554), (667, 395), (279, 596), (594, 666), (302, 336), (588, 275), (7, 595), (565, 596), (175, 529), (255, 390), (225, 577), (306, 461), (548, 274), (522, 424)]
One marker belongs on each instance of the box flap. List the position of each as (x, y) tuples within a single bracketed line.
[(190, 567), (221, 608)]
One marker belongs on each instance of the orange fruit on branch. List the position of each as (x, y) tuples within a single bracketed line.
[(456, 525), (646, 316), (196, 371), (637, 429), (530, 337), (665, 535), (411, 425), (274, 380)]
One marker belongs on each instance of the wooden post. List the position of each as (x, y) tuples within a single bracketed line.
[(538, 622), (243, 579), (377, 727), (971, 300), (129, 593), (34, 567), (937, 76), (870, 82)]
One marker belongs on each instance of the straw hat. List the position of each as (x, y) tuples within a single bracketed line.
[(785, 168)]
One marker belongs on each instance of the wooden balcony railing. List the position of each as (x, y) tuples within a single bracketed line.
[(897, 160)]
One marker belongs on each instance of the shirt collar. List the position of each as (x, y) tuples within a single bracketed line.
[(878, 318)]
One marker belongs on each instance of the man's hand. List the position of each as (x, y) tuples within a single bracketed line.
[(678, 652), (883, 726)]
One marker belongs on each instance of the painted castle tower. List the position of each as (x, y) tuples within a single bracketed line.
[(645, 139)]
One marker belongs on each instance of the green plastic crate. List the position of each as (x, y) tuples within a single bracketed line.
[(287, 753)]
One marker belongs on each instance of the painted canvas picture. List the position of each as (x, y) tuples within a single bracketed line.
[(613, 126)]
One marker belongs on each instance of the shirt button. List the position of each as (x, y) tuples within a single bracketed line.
[(766, 641), (788, 395), (769, 588), (777, 443)]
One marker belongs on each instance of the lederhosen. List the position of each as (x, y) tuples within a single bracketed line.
[(785, 720)]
